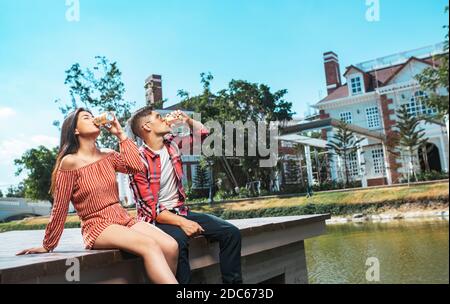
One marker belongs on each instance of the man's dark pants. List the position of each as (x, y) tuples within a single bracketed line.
[(216, 229)]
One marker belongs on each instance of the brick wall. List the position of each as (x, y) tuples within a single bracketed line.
[(390, 134)]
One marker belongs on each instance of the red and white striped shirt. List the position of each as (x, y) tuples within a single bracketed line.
[(94, 193)]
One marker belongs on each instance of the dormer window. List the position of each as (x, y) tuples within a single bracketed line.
[(356, 85)]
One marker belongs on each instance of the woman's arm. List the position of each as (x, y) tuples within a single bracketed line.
[(55, 227), (128, 161)]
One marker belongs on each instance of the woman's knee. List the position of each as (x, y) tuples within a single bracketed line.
[(173, 246), (147, 246)]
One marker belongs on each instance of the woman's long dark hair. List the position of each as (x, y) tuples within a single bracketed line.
[(69, 143)]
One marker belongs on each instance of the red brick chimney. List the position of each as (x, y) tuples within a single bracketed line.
[(332, 71), (153, 89)]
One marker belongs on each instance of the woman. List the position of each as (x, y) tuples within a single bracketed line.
[(87, 176)]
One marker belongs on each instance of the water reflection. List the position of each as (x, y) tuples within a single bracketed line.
[(409, 251)]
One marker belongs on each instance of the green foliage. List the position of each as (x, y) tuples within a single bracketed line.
[(16, 191), (244, 192), (18, 225), (434, 78), (410, 137), (314, 208), (38, 163), (241, 101), (431, 175), (99, 89), (201, 180), (343, 144), (1, 194), (336, 185)]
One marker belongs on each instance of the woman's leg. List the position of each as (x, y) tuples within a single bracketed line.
[(168, 244), (124, 238)]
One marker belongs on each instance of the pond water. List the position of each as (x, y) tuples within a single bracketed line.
[(406, 251)]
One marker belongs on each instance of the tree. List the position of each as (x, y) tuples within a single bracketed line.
[(39, 163), (434, 78), (1, 194), (241, 101), (201, 180), (17, 192), (100, 89), (344, 145), (410, 137), (293, 172)]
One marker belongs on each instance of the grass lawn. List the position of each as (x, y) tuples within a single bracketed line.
[(413, 193), (337, 201)]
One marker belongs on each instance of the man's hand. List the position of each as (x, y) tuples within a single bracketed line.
[(181, 116), (191, 228)]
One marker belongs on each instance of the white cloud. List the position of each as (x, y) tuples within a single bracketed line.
[(6, 112), (11, 149), (45, 140)]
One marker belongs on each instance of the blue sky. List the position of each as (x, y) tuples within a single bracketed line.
[(277, 42)]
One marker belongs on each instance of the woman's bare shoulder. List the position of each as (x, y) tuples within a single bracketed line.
[(69, 162)]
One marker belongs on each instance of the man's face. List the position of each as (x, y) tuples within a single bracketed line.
[(155, 123)]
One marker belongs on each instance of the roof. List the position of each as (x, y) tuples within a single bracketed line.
[(340, 92), (382, 76)]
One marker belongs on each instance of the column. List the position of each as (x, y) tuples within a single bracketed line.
[(309, 165), (362, 166), (387, 167), (443, 153)]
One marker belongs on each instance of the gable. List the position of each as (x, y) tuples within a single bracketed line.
[(352, 70), (409, 71)]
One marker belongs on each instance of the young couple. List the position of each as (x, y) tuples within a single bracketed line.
[(86, 176)]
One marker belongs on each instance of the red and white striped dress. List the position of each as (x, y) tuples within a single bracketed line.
[(94, 193)]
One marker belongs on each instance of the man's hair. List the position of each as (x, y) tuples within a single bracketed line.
[(135, 120)]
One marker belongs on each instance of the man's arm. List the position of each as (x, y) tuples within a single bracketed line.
[(198, 130), (189, 227)]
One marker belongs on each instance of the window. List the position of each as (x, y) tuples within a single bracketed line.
[(416, 105), (378, 161), (346, 117), (352, 165), (373, 117), (356, 85)]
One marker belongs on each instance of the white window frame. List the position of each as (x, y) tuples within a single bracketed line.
[(346, 116), (415, 105), (378, 161), (352, 163), (373, 117), (359, 86)]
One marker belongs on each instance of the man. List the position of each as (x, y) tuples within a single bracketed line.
[(160, 197)]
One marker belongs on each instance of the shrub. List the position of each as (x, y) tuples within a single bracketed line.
[(431, 175)]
